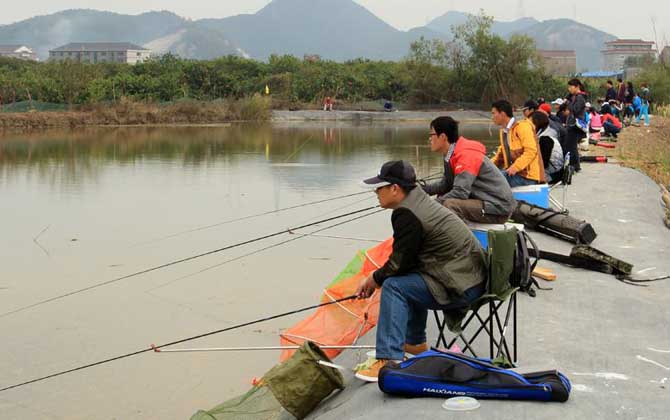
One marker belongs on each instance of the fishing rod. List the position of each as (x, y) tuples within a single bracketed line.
[(258, 251), (248, 217), (266, 348), (191, 258), (181, 341)]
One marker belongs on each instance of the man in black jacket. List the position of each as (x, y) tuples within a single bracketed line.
[(436, 263), (611, 92)]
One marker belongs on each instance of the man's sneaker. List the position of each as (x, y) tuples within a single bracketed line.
[(415, 349), (371, 374)]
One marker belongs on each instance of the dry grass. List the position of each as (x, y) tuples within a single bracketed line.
[(127, 112), (647, 148)]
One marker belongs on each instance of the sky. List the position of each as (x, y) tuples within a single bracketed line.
[(618, 17)]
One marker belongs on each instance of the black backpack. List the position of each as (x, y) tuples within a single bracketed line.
[(522, 275)]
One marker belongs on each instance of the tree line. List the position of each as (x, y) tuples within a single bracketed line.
[(476, 68)]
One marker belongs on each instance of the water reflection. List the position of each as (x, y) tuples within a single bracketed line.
[(77, 156)]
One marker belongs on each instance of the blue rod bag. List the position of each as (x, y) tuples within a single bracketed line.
[(445, 374)]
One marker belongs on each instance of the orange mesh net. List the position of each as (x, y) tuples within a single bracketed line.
[(343, 323)]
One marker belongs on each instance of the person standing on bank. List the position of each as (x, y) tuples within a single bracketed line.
[(577, 106), (472, 187), (518, 155), (436, 263)]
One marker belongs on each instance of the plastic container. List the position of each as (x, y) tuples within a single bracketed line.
[(533, 194), (481, 231), (461, 404)]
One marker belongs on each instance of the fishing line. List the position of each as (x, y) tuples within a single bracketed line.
[(252, 216), (193, 257), (258, 251), (155, 348)]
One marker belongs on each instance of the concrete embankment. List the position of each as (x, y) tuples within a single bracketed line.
[(367, 116), (610, 339)]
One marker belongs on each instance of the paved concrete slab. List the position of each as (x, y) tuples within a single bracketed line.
[(611, 339)]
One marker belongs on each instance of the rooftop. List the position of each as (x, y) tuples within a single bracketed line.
[(100, 46), (629, 41)]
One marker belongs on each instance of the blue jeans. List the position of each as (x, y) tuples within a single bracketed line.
[(517, 180), (403, 312), (644, 112)]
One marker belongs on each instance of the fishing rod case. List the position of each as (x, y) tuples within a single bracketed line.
[(444, 374), (553, 222)]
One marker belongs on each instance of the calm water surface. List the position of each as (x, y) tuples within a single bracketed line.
[(81, 207)]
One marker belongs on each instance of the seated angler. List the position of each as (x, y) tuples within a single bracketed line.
[(472, 187), (436, 263), (518, 156)]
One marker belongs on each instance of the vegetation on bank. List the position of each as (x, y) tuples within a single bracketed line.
[(125, 112), (476, 69)]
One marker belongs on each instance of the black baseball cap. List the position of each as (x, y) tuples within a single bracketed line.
[(395, 172), (530, 105)]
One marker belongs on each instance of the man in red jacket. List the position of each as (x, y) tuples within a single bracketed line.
[(472, 186)]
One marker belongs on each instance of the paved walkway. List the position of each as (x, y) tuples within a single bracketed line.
[(611, 339)]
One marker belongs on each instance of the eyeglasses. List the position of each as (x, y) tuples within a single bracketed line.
[(380, 188), (430, 136)]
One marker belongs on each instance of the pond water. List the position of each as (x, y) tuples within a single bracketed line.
[(83, 207)]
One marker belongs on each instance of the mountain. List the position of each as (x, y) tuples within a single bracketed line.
[(334, 29), (557, 34), (196, 42), (444, 24), (566, 34), (47, 32)]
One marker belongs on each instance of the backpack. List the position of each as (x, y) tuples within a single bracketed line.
[(522, 275)]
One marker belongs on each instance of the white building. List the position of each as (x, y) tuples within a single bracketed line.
[(101, 52), (18, 51), (617, 52)]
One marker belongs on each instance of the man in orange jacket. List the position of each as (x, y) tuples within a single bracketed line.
[(518, 155)]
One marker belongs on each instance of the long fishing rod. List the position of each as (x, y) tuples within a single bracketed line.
[(193, 257), (258, 251), (251, 216), (184, 340)]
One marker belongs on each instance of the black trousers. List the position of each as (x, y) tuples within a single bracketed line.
[(572, 139)]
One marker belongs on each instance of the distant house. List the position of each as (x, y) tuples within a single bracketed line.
[(312, 58), (616, 53), (559, 62), (101, 52), (18, 51)]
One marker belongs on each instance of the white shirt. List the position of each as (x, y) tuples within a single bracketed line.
[(509, 125)]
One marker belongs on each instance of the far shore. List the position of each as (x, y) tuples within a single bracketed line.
[(80, 119)]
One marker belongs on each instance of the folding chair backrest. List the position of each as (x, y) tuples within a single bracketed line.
[(502, 245)]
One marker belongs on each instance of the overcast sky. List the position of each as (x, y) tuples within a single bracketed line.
[(623, 18)]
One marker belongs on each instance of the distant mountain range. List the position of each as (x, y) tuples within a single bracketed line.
[(334, 29), (557, 34), (164, 30)]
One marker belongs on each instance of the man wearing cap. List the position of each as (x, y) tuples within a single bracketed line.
[(518, 156), (529, 108), (472, 186), (436, 263)]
